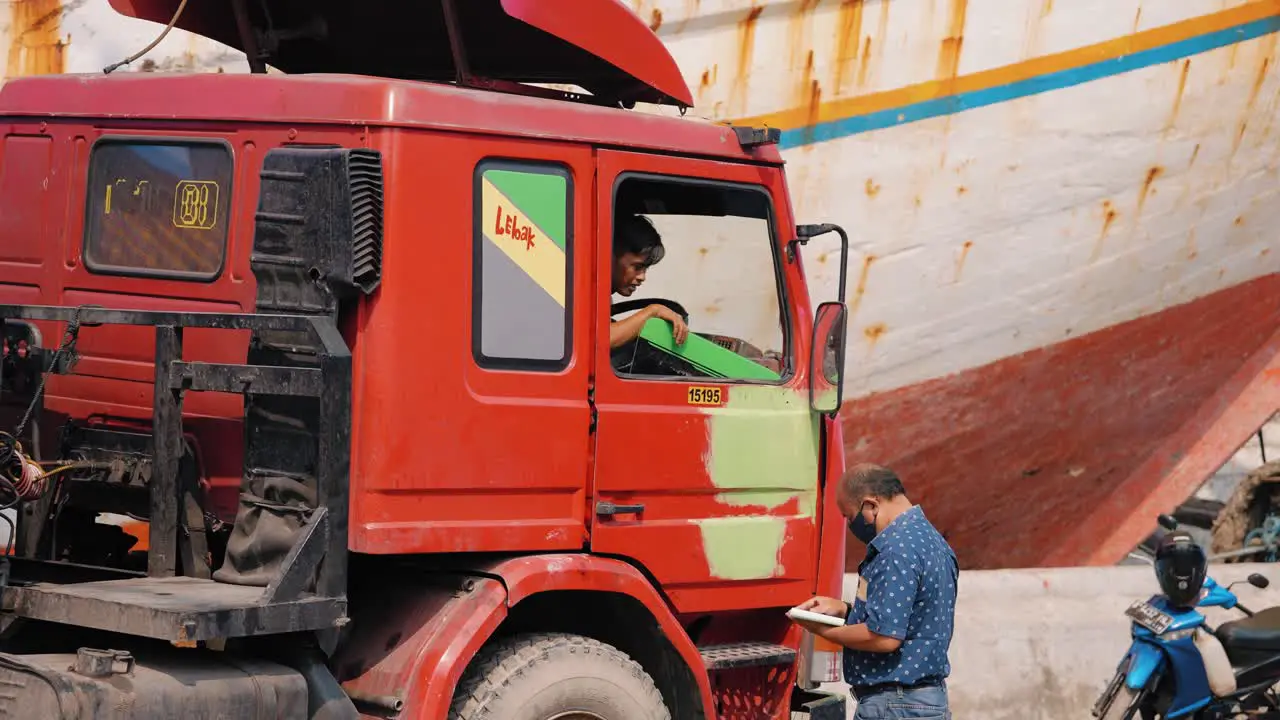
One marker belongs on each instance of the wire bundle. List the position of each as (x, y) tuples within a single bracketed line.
[(22, 478)]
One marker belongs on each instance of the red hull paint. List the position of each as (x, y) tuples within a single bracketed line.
[(1063, 456)]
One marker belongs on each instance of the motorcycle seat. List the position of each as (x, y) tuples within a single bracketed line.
[(1260, 633)]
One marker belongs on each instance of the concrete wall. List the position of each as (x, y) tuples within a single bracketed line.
[(1041, 644)]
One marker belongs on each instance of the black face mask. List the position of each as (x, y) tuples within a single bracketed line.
[(861, 529)]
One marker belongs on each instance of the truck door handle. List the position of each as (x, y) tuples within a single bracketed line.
[(610, 509)]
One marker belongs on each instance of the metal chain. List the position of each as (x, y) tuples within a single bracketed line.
[(67, 346)]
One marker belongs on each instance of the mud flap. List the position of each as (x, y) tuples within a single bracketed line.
[(818, 705)]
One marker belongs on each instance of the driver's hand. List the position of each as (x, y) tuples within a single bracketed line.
[(678, 328)]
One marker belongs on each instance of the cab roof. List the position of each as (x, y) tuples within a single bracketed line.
[(598, 45), (356, 100)]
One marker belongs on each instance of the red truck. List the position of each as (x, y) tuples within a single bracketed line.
[(339, 337)]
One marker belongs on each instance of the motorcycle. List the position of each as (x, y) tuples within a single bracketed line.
[(1179, 667)]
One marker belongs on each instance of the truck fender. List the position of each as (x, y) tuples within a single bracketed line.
[(412, 639)]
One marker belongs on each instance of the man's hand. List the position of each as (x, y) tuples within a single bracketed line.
[(678, 328), (624, 331), (825, 606)]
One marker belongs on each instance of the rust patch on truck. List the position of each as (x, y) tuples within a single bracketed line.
[(35, 38)]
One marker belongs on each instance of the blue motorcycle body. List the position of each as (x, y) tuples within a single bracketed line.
[(1173, 652)]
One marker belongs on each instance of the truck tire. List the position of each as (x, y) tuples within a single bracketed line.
[(555, 676)]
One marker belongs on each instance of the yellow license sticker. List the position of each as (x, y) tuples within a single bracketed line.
[(701, 395)]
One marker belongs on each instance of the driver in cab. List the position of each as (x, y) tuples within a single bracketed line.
[(637, 246)]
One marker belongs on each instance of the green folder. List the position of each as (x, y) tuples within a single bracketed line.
[(707, 357)]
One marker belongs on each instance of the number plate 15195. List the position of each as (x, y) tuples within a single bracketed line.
[(703, 395)]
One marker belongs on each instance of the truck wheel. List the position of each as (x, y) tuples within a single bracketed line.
[(555, 676)]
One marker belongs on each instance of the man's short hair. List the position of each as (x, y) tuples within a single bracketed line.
[(870, 479), (636, 234)]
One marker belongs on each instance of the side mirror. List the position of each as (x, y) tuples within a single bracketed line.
[(1168, 522), (826, 359), (1259, 581)]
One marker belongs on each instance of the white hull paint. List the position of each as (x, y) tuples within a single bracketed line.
[(1002, 229), (977, 235)]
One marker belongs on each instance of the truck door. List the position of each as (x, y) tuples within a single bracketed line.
[(706, 469)]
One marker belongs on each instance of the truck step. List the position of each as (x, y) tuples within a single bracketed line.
[(747, 654), (172, 608)]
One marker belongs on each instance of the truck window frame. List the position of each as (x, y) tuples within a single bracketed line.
[(788, 371), (538, 166), (150, 273)]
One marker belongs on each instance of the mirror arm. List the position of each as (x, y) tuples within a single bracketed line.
[(806, 233)]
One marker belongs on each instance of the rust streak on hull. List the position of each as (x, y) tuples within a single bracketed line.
[(848, 39), (1182, 88), (746, 51), (952, 44)]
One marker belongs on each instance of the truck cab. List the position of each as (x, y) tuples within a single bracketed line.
[(311, 378)]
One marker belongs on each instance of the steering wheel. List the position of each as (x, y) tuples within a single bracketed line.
[(629, 305)]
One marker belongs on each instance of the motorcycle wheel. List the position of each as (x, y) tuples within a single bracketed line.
[(1124, 706)]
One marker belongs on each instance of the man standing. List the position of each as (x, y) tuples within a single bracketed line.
[(898, 629)]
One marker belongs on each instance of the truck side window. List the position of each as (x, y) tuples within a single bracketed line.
[(158, 207), (522, 264), (717, 264)]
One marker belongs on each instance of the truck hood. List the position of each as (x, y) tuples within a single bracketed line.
[(598, 45)]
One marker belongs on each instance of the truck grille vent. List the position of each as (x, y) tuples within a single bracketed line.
[(318, 229), (364, 173)]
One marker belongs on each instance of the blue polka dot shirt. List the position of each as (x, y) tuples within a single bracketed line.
[(911, 575)]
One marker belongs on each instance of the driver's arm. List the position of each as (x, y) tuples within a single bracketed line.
[(625, 330)]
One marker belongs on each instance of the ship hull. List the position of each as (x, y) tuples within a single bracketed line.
[(1066, 237), (1065, 271)]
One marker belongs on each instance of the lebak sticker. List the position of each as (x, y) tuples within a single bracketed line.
[(706, 395)]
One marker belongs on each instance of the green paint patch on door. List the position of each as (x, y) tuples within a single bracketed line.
[(763, 449), (743, 548), (762, 453)]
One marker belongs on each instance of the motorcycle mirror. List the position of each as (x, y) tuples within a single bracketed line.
[(1259, 581), (1168, 522)]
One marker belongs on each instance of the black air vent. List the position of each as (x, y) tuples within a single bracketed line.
[(364, 174), (318, 229)]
